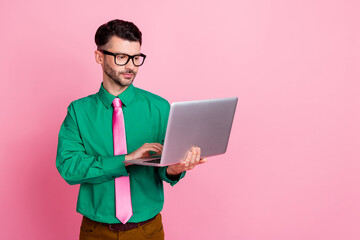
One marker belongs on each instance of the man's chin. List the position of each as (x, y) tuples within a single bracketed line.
[(124, 83)]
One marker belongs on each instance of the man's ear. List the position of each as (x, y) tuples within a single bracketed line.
[(99, 57)]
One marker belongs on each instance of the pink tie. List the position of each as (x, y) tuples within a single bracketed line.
[(122, 184)]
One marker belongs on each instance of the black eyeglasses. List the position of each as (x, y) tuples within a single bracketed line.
[(122, 59)]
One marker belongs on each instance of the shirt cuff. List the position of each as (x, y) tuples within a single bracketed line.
[(114, 166), (164, 177)]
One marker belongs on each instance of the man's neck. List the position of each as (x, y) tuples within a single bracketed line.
[(113, 88)]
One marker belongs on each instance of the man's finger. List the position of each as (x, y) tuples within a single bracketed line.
[(203, 160), (193, 157), (188, 158), (157, 146), (198, 155), (153, 146), (148, 149)]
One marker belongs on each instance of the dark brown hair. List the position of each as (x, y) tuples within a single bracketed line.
[(120, 28)]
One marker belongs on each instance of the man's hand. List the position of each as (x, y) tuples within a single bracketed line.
[(192, 159), (143, 151)]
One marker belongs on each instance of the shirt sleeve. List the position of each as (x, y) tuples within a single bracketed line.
[(165, 177), (162, 170), (75, 165)]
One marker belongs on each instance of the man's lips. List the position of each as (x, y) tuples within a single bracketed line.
[(127, 75)]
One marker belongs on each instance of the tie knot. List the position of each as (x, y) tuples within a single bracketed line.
[(117, 103)]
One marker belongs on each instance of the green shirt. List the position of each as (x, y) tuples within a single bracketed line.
[(86, 155)]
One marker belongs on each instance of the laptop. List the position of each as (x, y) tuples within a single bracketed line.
[(204, 123)]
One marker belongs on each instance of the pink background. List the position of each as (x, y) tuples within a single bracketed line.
[(292, 168)]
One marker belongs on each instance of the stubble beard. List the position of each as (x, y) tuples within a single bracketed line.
[(116, 76)]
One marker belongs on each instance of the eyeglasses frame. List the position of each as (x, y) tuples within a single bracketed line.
[(129, 57)]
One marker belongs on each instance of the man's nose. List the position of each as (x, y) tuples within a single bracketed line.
[(130, 64)]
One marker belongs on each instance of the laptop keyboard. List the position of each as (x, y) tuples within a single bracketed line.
[(154, 161)]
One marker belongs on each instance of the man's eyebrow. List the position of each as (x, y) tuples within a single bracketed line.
[(127, 54)]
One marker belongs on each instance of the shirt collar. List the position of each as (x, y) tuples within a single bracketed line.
[(126, 97)]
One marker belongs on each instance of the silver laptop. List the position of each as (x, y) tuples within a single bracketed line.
[(204, 123)]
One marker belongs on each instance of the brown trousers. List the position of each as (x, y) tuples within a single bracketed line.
[(91, 230)]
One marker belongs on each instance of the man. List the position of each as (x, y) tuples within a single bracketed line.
[(103, 131)]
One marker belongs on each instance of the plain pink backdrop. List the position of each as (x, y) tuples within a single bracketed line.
[(292, 169)]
